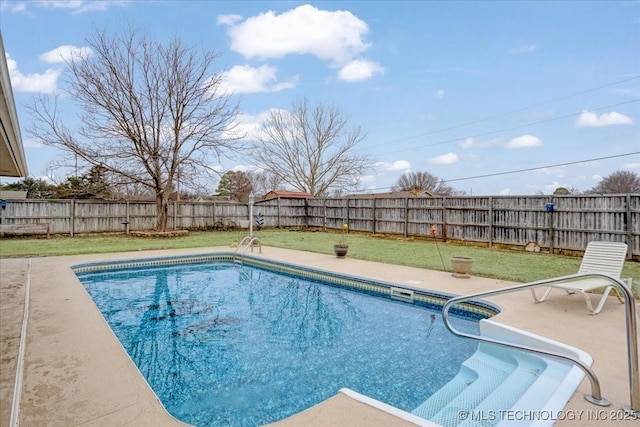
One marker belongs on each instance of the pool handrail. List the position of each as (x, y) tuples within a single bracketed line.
[(632, 336), (251, 240)]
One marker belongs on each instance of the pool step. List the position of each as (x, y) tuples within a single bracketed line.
[(510, 391), (493, 379), (478, 375)]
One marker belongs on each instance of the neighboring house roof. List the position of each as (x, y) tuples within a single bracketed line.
[(13, 195), (393, 195), (217, 199), (12, 159), (282, 194)]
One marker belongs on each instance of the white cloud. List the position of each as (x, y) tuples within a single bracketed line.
[(557, 171), (81, 6), (249, 125), (591, 119), (32, 143), (398, 165), (358, 70), (365, 179), (631, 166), (473, 142), (524, 141), (505, 192), (41, 83), (467, 143), (218, 168), (335, 36), (445, 159), (16, 7), (440, 93), (247, 79), (62, 4), (246, 168), (228, 19), (66, 53), (530, 48), (550, 188), (592, 164)]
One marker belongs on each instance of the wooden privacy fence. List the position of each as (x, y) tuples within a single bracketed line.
[(552, 222)]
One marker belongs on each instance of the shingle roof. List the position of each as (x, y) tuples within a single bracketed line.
[(287, 195), (392, 195)]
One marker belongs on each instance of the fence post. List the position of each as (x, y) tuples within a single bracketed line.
[(175, 214), (127, 219), (72, 220), (551, 233), (490, 222), (279, 213), (444, 219), (324, 214), (627, 226), (406, 217), (85, 216), (373, 217), (347, 205)]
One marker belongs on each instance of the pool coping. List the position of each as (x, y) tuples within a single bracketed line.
[(75, 370), (479, 308)]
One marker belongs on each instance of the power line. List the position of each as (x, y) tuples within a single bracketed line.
[(542, 167), (513, 127), (531, 169), (518, 110)]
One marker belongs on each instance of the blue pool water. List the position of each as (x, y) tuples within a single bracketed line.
[(223, 344)]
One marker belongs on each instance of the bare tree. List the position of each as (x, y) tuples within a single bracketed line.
[(311, 148), (423, 181), (262, 182), (617, 183), (149, 110)]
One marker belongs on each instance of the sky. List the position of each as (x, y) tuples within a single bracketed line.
[(495, 98)]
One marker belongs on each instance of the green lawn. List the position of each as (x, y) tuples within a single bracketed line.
[(512, 265)]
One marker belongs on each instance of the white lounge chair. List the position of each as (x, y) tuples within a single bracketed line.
[(599, 257)]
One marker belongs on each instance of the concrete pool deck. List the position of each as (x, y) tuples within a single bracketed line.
[(77, 373)]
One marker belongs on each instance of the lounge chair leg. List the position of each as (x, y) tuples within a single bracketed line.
[(544, 295), (600, 258), (589, 305), (629, 282), (605, 294)]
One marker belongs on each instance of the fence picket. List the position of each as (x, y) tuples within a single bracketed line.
[(553, 222)]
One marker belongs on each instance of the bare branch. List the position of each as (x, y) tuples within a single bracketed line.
[(312, 148), (423, 181), (149, 110)]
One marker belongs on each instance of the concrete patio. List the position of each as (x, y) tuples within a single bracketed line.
[(77, 373)]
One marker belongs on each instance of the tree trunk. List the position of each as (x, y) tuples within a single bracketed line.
[(162, 204)]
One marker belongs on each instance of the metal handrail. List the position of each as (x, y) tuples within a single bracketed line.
[(632, 336), (252, 240)]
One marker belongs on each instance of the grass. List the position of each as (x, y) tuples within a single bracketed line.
[(513, 265)]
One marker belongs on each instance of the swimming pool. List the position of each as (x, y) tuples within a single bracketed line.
[(228, 344)]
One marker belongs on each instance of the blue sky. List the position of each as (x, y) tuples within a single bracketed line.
[(471, 92)]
